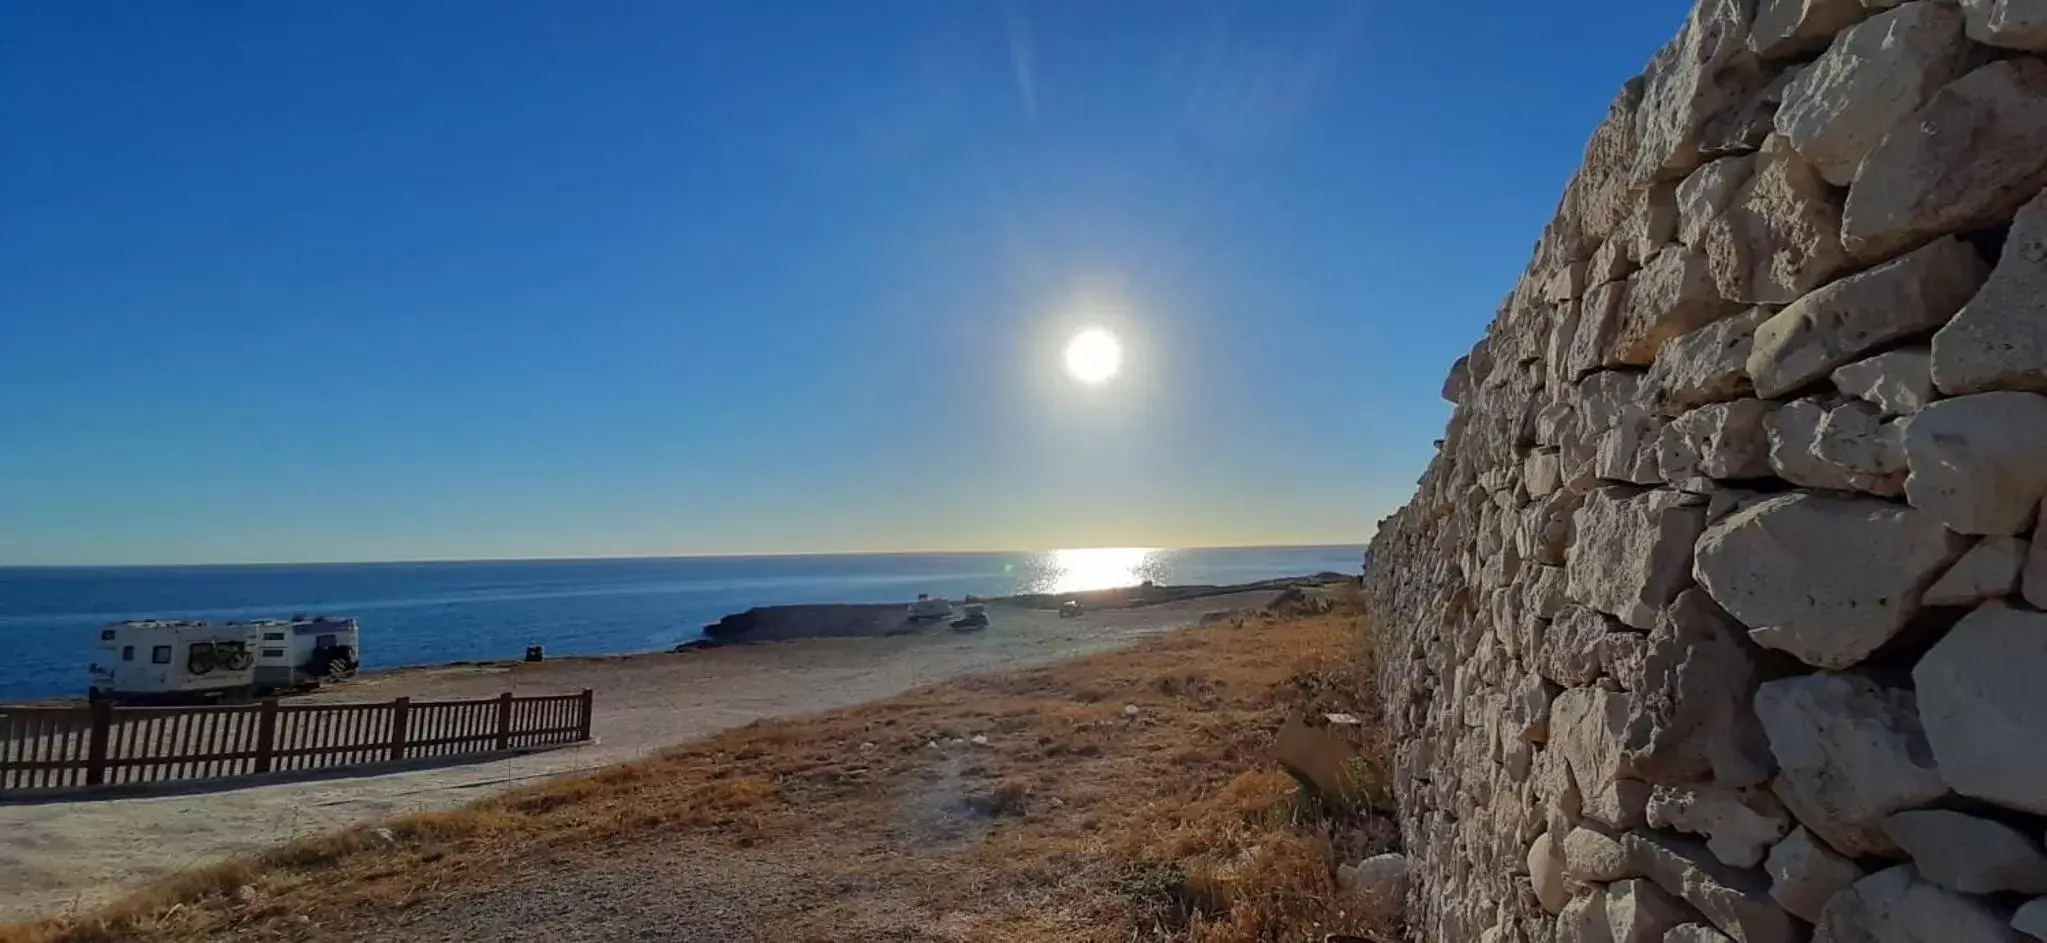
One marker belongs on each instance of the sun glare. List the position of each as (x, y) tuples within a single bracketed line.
[(1093, 356), (1101, 568)]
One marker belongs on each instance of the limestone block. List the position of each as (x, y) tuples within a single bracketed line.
[(1849, 753), (1567, 283), (1735, 901), (1640, 912), (1630, 451), (1969, 854), (1546, 873), (1898, 382), (1611, 261), (1583, 920), (1545, 593), (1691, 714), (1632, 554), (1706, 365), (2013, 24), (1805, 874), (1779, 237), (1828, 579), (1739, 824), (1872, 76), (1998, 341), (1695, 933), (1690, 80), (1609, 396), (1984, 706), (1651, 225), (1378, 884), (1839, 323), (1989, 570), (1895, 905), (1587, 725), (1979, 462), (1794, 431), (2031, 918), (1569, 652), (1719, 440), (1623, 657), (1965, 160), (1599, 324), (1789, 27), (1853, 437), (1707, 193), (1672, 294), (1591, 856), (1540, 473)]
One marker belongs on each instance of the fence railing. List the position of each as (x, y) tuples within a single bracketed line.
[(104, 745)]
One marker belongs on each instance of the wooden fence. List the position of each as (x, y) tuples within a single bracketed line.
[(104, 745)]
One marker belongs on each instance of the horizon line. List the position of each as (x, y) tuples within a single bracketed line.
[(658, 556)]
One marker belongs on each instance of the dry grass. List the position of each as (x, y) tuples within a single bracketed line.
[(1077, 819)]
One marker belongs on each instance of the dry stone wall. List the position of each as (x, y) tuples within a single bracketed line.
[(1719, 613)]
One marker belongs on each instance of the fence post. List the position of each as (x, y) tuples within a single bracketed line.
[(583, 722), (266, 736), (505, 721), (96, 749), (400, 708)]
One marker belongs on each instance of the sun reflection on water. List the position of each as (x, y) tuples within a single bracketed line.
[(1086, 568)]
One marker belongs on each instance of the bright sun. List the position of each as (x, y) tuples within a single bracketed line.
[(1093, 356)]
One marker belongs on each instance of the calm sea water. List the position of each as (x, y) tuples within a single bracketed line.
[(421, 613)]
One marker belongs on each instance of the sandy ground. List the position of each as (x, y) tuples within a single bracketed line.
[(61, 856)]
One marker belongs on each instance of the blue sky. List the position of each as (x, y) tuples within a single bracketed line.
[(299, 281)]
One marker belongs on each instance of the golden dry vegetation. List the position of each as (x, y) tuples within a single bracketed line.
[(1078, 818)]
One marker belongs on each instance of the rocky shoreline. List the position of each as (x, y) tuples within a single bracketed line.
[(861, 620)]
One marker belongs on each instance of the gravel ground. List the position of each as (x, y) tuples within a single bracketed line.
[(59, 856)]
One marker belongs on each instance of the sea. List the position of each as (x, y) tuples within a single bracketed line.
[(429, 613)]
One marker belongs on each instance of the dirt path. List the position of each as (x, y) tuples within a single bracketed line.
[(66, 856)]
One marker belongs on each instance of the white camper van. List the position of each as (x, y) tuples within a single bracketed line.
[(164, 660), (161, 660), (302, 651)]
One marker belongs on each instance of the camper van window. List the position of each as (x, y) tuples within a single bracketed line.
[(160, 655), (273, 653), (127, 653), (324, 641), (107, 635), (273, 636)]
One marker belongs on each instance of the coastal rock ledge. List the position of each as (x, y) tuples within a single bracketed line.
[(1742, 491)]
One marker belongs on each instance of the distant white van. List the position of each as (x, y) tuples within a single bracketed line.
[(172, 661)]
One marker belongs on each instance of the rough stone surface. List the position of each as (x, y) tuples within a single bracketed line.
[(1998, 341), (1672, 294), (1707, 365), (2014, 24), (1872, 76), (1720, 440), (1589, 726), (1849, 754), (1548, 876), (1739, 824), (1989, 570), (1789, 27), (1640, 912), (1707, 193), (1838, 324), (1969, 854), (1591, 856), (1979, 462), (1378, 884), (1827, 579), (1966, 159), (1898, 382), (1734, 404), (1897, 906), (1805, 874), (1779, 236), (2031, 918), (1735, 901), (1984, 706), (1633, 552)]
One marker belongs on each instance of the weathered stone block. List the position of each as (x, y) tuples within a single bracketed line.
[(1998, 341), (1872, 76), (1849, 754), (1984, 706), (1805, 874), (1979, 462), (1779, 237), (1632, 554)]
